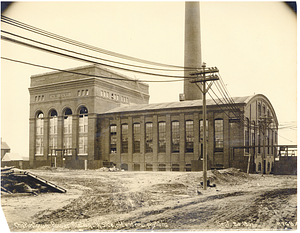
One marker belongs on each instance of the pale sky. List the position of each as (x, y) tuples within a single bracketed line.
[(254, 45)]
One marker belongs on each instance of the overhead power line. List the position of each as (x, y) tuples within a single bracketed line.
[(42, 32), (86, 60), (82, 54), (84, 74)]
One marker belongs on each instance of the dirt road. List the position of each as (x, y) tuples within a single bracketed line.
[(98, 200)]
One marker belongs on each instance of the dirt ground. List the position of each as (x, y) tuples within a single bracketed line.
[(100, 200)]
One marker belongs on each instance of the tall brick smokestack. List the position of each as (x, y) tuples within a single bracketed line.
[(192, 48)]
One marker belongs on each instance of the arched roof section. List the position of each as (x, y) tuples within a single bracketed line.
[(253, 98)]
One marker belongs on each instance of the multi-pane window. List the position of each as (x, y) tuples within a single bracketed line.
[(189, 136), (136, 137), (83, 130), (149, 137), (253, 136), (247, 132), (219, 137), (259, 139), (162, 137), (124, 138), (113, 139), (272, 141), (53, 131), (39, 134), (175, 136), (67, 134)]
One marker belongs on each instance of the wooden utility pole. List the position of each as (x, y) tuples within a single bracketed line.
[(203, 76)]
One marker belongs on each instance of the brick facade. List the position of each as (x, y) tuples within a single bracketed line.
[(117, 104)]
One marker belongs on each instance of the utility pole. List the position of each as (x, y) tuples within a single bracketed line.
[(203, 76), (264, 122)]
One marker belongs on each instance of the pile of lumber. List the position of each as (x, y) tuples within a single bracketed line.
[(14, 180)]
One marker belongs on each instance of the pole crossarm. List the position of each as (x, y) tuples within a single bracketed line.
[(205, 70)]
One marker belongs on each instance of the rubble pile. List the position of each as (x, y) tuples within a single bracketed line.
[(14, 180)]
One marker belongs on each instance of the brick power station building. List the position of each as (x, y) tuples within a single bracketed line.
[(85, 121), (80, 121)]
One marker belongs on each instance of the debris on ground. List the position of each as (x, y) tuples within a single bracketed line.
[(14, 180)]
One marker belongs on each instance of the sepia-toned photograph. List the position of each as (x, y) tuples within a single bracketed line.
[(148, 116)]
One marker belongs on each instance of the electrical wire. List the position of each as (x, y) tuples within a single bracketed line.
[(82, 54), (42, 32), (85, 60), (90, 75)]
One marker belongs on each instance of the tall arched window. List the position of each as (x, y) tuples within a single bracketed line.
[(219, 135), (175, 136), (162, 140), (149, 137), (136, 137), (83, 130), (39, 134), (189, 136), (124, 138), (53, 131), (67, 136)]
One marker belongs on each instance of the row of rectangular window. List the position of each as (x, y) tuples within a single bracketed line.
[(161, 167), (82, 92), (39, 98), (175, 136), (114, 96)]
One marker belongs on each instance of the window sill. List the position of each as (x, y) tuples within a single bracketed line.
[(38, 155), (82, 154)]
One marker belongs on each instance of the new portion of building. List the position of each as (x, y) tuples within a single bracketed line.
[(78, 121)]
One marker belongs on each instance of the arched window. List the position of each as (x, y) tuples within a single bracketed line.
[(124, 166), (175, 136), (219, 135), (53, 131), (189, 136), (67, 134), (39, 134), (149, 167), (175, 167), (161, 167), (162, 137), (136, 138), (149, 137), (113, 138), (124, 138), (83, 130)]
